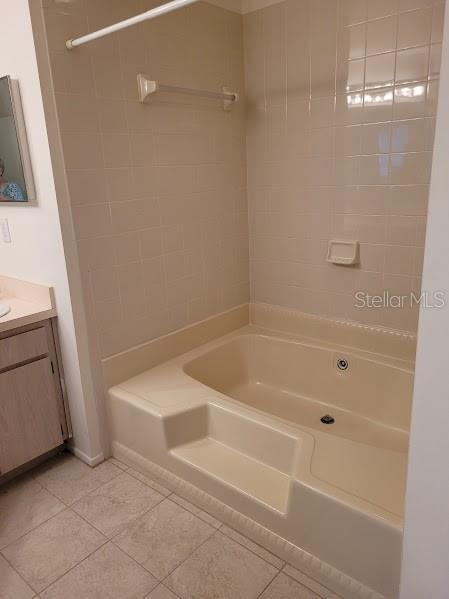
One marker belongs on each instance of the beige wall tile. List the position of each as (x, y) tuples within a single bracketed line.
[(352, 42), (381, 35), (354, 11), (87, 186), (415, 28), (376, 138), (438, 22), (355, 162), (410, 101), (412, 65), (337, 135), (112, 115), (92, 221), (105, 283), (412, 4), (82, 150), (380, 70), (382, 8), (116, 150), (77, 113)]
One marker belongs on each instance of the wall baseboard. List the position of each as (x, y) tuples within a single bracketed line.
[(98, 459)]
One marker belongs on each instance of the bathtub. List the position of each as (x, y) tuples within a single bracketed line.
[(307, 438)]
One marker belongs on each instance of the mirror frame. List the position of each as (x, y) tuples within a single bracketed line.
[(22, 141)]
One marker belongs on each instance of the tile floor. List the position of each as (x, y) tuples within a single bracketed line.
[(68, 531)]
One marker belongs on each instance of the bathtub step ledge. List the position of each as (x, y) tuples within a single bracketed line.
[(254, 478)]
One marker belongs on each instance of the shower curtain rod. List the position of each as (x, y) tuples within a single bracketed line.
[(146, 16)]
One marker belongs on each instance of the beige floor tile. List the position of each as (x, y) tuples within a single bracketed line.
[(115, 504), (163, 538), (284, 587), (305, 580), (51, 549), (118, 463), (257, 549), (161, 592), (196, 510), (24, 504), (154, 484), (70, 479), (222, 569), (106, 574), (12, 586)]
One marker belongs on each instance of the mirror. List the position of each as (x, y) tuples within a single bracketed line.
[(16, 183)]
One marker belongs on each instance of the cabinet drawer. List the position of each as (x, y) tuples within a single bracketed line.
[(23, 347)]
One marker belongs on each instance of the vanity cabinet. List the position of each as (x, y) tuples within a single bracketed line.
[(34, 417)]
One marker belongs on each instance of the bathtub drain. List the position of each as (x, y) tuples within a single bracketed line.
[(328, 419), (342, 364)]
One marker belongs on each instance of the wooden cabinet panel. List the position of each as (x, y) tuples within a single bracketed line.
[(23, 347), (29, 415)]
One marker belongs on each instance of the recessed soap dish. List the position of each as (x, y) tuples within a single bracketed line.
[(345, 253)]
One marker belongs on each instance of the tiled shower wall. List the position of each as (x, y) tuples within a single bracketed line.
[(157, 191), (341, 113)]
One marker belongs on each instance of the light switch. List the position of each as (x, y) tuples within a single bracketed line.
[(5, 233)]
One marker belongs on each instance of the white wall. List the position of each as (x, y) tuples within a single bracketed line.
[(425, 570), (37, 253)]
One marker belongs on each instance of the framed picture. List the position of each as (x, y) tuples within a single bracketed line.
[(16, 177)]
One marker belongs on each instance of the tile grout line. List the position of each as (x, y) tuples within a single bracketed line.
[(107, 539), (66, 508), (280, 568), (167, 588), (18, 574), (160, 581), (269, 584), (75, 565), (69, 505), (111, 539), (189, 556), (303, 584), (40, 523)]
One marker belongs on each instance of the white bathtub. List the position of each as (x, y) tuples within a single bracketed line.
[(240, 418)]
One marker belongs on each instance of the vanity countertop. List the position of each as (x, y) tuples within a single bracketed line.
[(29, 303)]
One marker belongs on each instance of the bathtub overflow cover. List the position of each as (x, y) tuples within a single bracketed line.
[(328, 419), (342, 364)]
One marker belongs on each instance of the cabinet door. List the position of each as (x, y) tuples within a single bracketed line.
[(29, 417)]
